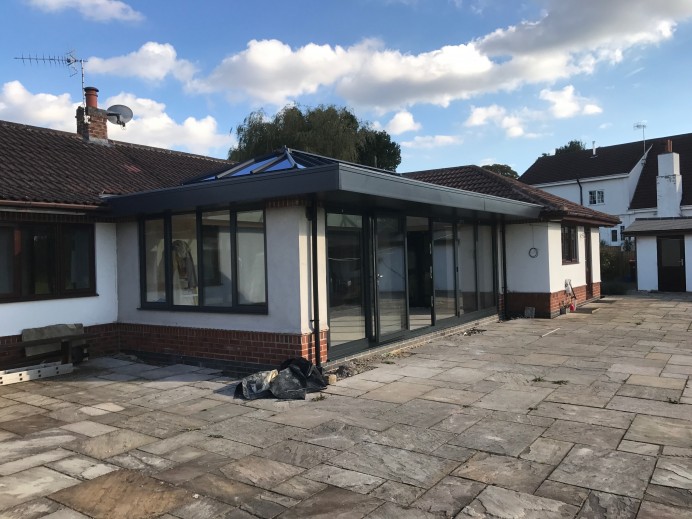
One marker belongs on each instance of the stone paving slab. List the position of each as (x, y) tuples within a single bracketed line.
[(606, 470), (579, 423), (32, 483), (500, 503)]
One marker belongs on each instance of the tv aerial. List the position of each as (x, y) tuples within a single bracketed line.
[(75, 64), (119, 114), (641, 125)]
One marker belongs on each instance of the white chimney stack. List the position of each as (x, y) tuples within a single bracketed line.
[(668, 183)]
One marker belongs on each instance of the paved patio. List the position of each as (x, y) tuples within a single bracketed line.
[(588, 415)]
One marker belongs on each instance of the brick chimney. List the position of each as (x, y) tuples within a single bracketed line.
[(92, 121), (668, 183)]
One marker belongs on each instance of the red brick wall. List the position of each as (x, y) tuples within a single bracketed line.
[(170, 342), (262, 348), (546, 305)]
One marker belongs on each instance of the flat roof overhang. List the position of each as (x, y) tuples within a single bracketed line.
[(333, 184)]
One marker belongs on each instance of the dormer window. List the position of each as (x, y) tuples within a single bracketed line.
[(596, 197)]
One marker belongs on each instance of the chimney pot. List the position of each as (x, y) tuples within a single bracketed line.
[(92, 96), (669, 146)]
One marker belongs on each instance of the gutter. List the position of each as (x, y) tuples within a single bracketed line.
[(51, 205)]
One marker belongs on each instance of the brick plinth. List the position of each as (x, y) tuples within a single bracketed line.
[(240, 351), (546, 305)]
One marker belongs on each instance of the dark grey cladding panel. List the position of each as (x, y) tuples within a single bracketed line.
[(333, 183)]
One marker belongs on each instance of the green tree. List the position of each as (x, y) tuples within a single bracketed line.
[(573, 145), (502, 169), (326, 130)]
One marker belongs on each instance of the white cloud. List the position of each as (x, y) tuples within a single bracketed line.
[(97, 10), (402, 122), (512, 124), (152, 61), (151, 125), (567, 103), (431, 141), (572, 37), (482, 115), (17, 104)]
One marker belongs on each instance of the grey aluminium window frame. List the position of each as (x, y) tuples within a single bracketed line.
[(168, 305)]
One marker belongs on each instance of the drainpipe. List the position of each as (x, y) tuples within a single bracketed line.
[(504, 267), (315, 286)]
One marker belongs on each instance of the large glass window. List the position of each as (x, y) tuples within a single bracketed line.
[(154, 260), (251, 265), (486, 278), (443, 270), (184, 259), (466, 254), (217, 263), (212, 259), (569, 244), (42, 261), (6, 261), (345, 262)]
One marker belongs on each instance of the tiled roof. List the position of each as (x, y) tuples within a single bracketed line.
[(479, 180), (41, 165), (645, 194), (609, 160)]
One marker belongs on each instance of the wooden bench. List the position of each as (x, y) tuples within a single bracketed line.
[(48, 351), (68, 340)]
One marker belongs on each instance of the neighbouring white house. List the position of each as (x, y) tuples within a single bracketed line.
[(648, 186), (183, 258)]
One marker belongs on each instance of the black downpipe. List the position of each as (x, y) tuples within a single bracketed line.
[(504, 268), (315, 287), (581, 192)]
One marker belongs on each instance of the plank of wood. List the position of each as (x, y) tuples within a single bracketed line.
[(34, 372)]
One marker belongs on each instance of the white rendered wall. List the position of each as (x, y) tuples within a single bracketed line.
[(647, 263), (289, 282), (524, 273), (576, 272), (595, 256), (100, 309)]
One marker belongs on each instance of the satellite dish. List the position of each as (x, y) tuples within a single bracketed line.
[(119, 114)]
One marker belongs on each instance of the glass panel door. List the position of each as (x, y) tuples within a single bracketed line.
[(443, 270), (466, 254), (345, 263), (419, 265), (390, 275)]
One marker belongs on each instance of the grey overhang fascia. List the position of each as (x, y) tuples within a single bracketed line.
[(320, 179), (362, 181)]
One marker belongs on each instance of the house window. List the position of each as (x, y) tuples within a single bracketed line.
[(569, 244), (46, 261), (614, 235), (204, 260), (596, 197)]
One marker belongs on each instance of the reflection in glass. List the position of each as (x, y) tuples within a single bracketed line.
[(154, 262), (486, 281), (466, 253), (345, 263), (419, 266), (217, 276), (76, 250), (184, 259), (6, 260), (391, 275), (443, 270), (38, 260), (251, 266)]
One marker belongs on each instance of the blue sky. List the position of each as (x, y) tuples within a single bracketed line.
[(455, 82)]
